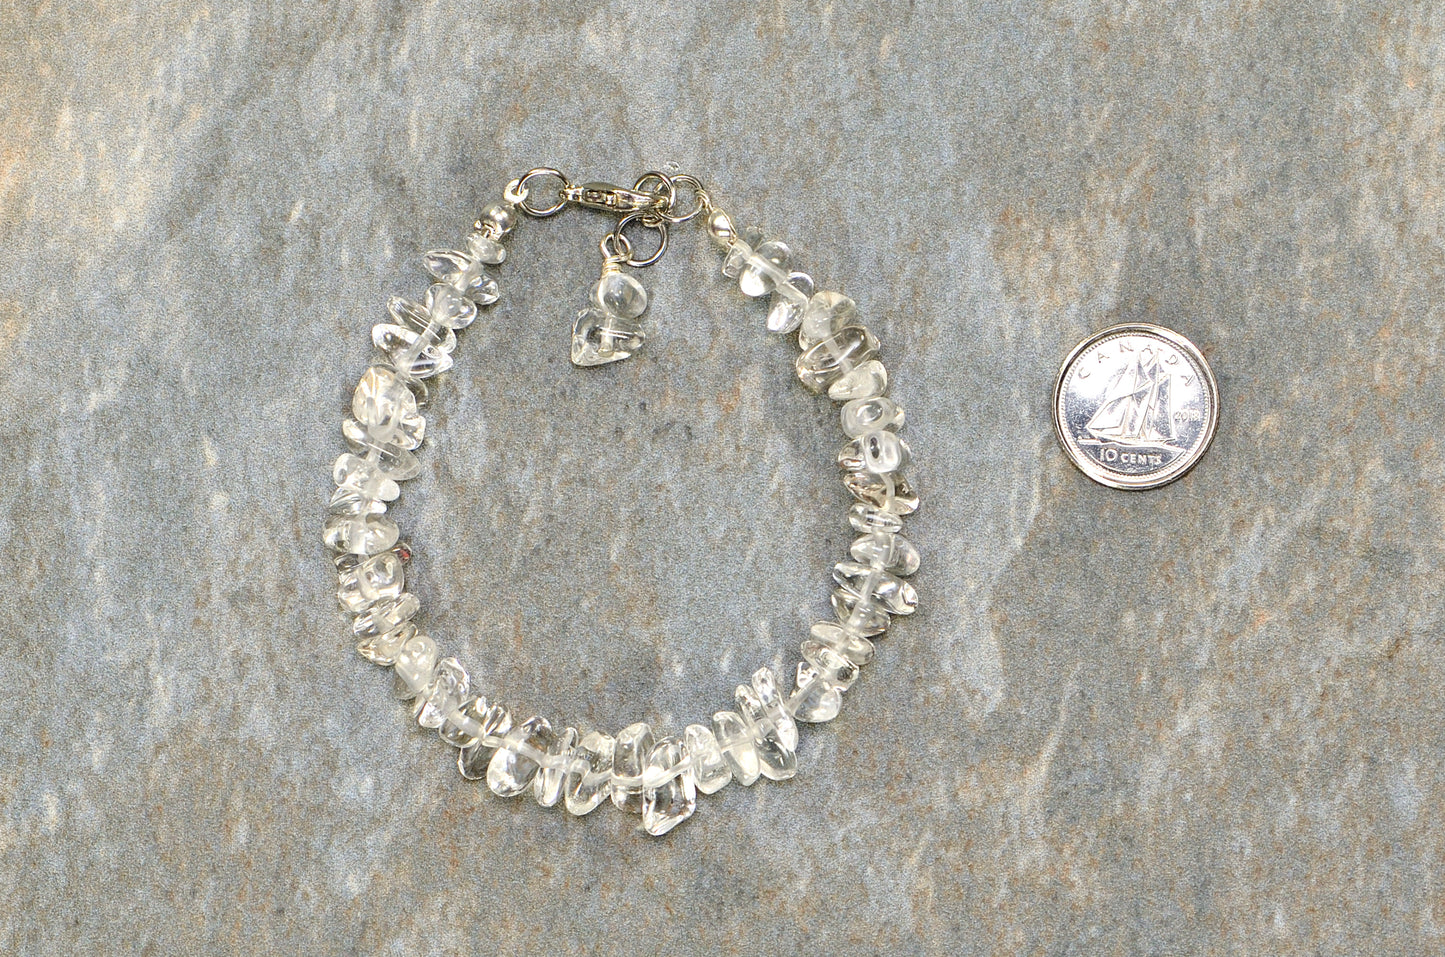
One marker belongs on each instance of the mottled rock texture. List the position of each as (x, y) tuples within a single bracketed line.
[(1205, 719)]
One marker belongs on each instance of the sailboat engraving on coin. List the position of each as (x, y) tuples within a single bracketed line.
[(1135, 406)]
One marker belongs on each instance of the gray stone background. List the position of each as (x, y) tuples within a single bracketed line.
[(1205, 719)]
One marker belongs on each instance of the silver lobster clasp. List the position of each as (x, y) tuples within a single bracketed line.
[(612, 199)]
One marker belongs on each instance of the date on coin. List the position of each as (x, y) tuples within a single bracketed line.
[(1135, 406)]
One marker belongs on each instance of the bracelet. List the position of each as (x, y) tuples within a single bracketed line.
[(639, 770)]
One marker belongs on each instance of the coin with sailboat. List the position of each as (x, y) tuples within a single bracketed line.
[(1135, 406)]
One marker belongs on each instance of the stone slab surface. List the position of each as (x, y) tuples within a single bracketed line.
[(1205, 719)]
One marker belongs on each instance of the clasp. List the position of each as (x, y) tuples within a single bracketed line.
[(614, 199)]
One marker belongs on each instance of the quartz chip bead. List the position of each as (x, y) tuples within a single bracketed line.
[(443, 309), (362, 488), (442, 695), (464, 270), (386, 615), (515, 764), (864, 381), (415, 318), (369, 581), (867, 518), (599, 338), (383, 649), (861, 416), (886, 550), (890, 492), (412, 354), (589, 775), (735, 740), (880, 452), (858, 617), (818, 687), (386, 459), (634, 744), (356, 528), (547, 786), (710, 770), (870, 583), (669, 793), (836, 356), (758, 265), (387, 408), (620, 295), (492, 724), (774, 734), (414, 666), (608, 330), (466, 721), (826, 314), (844, 641), (790, 298)]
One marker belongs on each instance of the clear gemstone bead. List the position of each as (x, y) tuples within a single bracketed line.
[(789, 300), (864, 381), (826, 314), (758, 266), (669, 794), (486, 249), (589, 778), (464, 273), (418, 318), (843, 641), (598, 337), (391, 460), (836, 356), (414, 666), (386, 615), (383, 649), (634, 744), (879, 452), (369, 581), (858, 617), (387, 408), (362, 480), (888, 550), (834, 668), (709, 768), (766, 267), (861, 416), (446, 306), (413, 355), (442, 695), (462, 725), (493, 724), (866, 518), (774, 734), (740, 248), (814, 698), (360, 534), (891, 492), (547, 787), (873, 584), (514, 765), (736, 742), (619, 294)]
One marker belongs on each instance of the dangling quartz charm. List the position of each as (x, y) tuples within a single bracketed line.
[(608, 330)]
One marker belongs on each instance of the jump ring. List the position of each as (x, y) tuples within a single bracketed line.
[(517, 193), (661, 228)]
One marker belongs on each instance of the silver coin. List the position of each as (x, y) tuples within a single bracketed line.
[(1135, 406)]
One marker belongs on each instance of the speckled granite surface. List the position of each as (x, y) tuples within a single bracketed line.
[(1200, 720)]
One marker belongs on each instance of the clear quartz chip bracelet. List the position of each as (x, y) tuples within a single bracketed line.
[(640, 770)]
